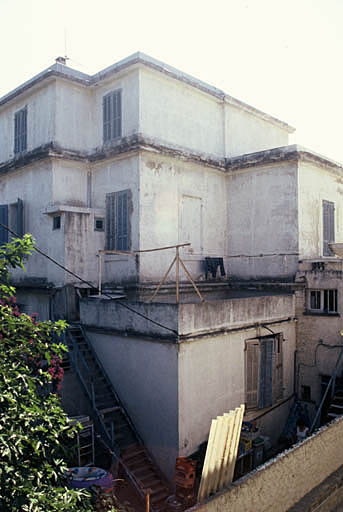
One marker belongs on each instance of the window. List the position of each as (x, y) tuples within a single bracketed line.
[(56, 222), (306, 393), (99, 224), (328, 227), (322, 301), (20, 131), (112, 115), (118, 205), (12, 216), (263, 371)]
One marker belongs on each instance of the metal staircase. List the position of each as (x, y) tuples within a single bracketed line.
[(112, 422)]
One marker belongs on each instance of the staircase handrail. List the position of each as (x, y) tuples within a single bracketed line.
[(115, 449), (109, 383), (333, 378)]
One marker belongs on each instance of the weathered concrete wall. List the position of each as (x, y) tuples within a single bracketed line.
[(262, 222), (113, 176), (199, 318), (179, 114), (111, 315), (180, 202), (282, 482), (40, 119), (212, 381), (318, 333), (144, 373), (317, 183), (247, 133)]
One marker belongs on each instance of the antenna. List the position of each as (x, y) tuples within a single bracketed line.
[(65, 44)]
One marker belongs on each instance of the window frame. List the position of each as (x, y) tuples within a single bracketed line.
[(268, 386), (112, 116), (118, 220), (329, 226), (20, 131), (328, 301)]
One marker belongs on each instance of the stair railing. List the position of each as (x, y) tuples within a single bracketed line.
[(77, 358), (331, 385), (109, 383)]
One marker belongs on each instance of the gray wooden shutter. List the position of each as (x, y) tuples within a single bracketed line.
[(278, 368), (3, 220), (265, 398), (110, 221), (122, 220), (20, 218), (24, 130), (106, 109), (116, 127), (252, 350), (328, 226)]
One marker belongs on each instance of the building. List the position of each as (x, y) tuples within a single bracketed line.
[(141, 156)]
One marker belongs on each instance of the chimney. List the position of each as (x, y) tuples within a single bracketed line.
[(61, 60)]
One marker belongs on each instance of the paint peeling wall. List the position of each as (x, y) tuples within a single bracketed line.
[(262, 222), (247, 133), (113, 176), (40, 119), (285, 480), (144, 373), (212, 381), (315, 185), (180, 202)]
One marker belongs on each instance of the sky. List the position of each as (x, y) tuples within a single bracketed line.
[(281, 56)]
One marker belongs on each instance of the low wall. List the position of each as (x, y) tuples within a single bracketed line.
[(283, 481)]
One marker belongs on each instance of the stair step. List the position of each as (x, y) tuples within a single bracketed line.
[(110, 409), (144, 471), (333, 415), (336, 406), (132, 454), (163, 495)]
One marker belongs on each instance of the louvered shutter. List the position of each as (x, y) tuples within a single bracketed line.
[(4, 221), (328, 227), (20, 218), (116, 114), (122, 221), (110, 221), (252, 350), (278, 368), (265, 398), (106, 108)]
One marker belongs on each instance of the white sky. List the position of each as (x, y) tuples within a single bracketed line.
[(282, 56)]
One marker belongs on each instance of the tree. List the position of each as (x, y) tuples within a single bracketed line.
[(33, 427)]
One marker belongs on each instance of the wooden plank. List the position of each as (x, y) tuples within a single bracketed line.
[(205, 469), (144, 250), (216, 458), (230, 423), (239, 412), (221, 452)]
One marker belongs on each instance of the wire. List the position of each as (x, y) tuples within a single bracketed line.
[(91, 284)]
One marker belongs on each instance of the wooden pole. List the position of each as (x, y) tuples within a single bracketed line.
[(161, 282), (177, 274), (147, 502), (191, 280)]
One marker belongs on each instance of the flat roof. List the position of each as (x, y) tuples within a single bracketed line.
[(63, 71)]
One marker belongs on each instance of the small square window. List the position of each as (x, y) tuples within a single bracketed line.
[(56, 222), (99, 224)]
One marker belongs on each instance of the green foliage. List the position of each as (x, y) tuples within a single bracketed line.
[(33, 426)]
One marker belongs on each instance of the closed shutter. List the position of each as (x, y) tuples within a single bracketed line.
[(328, 227), (4, 221), (117, 220), (252, 350), (20, 218), (265, 398), (110, 221), (106, 108), (278, 368), (20, 131), (111, 106), (122, 221), (116, 98)]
